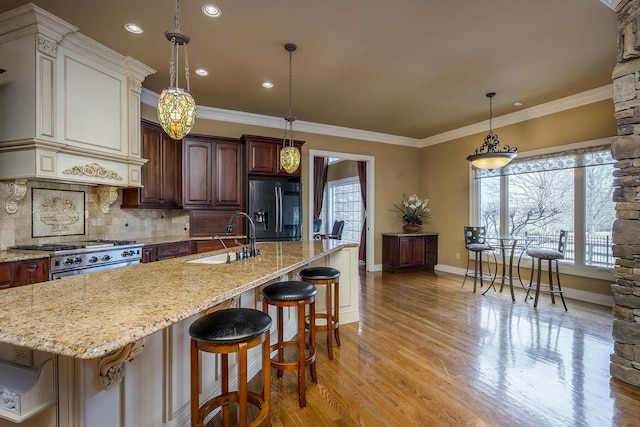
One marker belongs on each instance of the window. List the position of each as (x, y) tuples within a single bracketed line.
[(539, 195), (343, 202)]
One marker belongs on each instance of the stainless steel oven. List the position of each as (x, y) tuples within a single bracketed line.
[(70, 259)]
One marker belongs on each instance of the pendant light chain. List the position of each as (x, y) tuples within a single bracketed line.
[(288, 131)]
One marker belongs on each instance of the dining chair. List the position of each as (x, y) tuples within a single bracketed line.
[(336, 231), (317, 225), (549, 255), (475, 242)]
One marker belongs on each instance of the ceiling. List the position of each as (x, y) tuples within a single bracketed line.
[(412, 68)]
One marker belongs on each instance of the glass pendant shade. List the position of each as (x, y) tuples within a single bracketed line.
[(290, 158), (491, 161), (176, 112)]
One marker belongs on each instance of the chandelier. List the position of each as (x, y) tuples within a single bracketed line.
[(176, 107), (289, 155), (488, 156)]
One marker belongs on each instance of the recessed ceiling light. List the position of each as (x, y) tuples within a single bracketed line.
[(133, 28), (267, 85), (202, 72), (211, 11), (518, 104)]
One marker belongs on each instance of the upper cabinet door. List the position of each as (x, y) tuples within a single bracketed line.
[(229, 179), (159, 174), (212, 174), (197, 174), (263, 156)]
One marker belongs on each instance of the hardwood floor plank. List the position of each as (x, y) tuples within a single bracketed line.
[(428, 352)]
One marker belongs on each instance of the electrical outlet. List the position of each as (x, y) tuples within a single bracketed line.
[(23, 356), (457, 255)]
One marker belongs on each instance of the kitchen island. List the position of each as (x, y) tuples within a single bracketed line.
[(134, 320)]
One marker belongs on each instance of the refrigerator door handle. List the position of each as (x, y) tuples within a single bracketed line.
[(275, 190), (280, 202)]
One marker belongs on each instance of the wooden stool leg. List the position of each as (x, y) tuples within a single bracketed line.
[(242, 383), (312, 338), (280, 339), (224, 367), (329, 321), (337, 311), (301, 357), (195, 387), (266, 373)]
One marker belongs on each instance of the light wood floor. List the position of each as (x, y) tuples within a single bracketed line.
[(428, 352)]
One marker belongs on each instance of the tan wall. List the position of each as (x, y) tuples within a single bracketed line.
[(342, 170), (445, 173), (440, 172)]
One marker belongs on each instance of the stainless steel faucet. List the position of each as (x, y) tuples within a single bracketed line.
[(252, 232), (225, 248)]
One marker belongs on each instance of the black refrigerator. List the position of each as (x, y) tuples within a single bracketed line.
[(276, 209)]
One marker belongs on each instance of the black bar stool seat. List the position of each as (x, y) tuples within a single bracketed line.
[(293, 294), (327, 276), (233, 330)]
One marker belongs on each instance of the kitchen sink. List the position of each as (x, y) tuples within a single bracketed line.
[(213, 259)]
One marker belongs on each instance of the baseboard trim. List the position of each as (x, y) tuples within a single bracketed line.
[(592, 297)]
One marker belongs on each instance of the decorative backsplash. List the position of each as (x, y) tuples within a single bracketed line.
[(129, 224)]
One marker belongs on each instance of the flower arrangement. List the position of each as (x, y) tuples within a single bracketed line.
[(413, 209)]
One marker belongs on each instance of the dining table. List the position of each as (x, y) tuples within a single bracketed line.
[(509, 245)]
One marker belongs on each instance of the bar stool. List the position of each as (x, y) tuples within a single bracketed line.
[(327, 276), (233, 330), (549, 255), (475, 241), (294, 294)]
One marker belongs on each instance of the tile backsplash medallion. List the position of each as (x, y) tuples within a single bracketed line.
[(129, 224)]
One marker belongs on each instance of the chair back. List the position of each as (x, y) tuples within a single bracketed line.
[(474, 235), (336, 232), (562, 241), (317, 224)]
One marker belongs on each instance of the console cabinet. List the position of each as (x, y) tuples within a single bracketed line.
[(409, 252)]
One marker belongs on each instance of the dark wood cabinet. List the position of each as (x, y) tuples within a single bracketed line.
[(27, 272), (263, 156), (199, 246), (211, 173), (409, 252), (32, 271), (153, 253), (159, 174)]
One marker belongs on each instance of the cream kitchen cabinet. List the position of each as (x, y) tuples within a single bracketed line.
[(70, 107)]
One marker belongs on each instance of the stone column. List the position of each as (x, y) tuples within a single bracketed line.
[(625, 361)]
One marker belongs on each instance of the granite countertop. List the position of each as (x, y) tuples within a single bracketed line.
[(91, 315), (22, 255), (16, 255)]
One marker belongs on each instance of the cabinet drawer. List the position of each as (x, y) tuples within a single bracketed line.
[(172, 250)]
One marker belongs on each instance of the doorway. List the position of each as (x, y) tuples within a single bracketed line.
[(370, 162)]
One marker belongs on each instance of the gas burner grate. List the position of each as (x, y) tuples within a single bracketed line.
[(112, 242)]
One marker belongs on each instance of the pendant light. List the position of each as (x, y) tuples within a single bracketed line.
[(176, 106), (487, 157), (289, 155)]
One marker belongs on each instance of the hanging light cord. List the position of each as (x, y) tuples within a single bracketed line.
[(175, 57), (288, 131)]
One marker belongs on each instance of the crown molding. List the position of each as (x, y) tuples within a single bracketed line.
[(574, 101), (552, 107)]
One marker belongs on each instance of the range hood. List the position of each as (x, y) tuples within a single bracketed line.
[(69, 106)]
